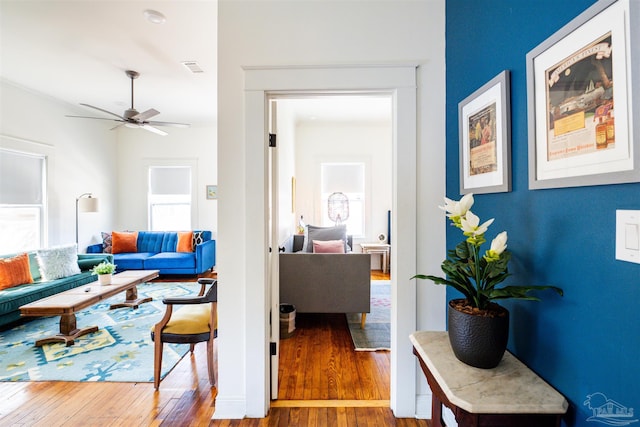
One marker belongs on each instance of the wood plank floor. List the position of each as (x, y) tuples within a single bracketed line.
[(340, 389)]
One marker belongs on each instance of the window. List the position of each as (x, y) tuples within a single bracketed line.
[(169, 198), (22, 201), (347, 178)]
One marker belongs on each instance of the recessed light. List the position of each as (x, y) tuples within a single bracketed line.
[(154, 16)]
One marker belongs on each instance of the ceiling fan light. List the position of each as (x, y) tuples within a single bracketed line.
[(154, 16)]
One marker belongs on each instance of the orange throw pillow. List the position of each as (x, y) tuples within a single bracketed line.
[(124, 242), (15, 271), (185, 241)]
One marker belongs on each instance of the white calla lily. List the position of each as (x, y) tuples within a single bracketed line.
[(457, 208), (470, 227), (499, 243)]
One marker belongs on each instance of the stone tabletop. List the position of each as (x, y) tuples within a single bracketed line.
[(509, 388)]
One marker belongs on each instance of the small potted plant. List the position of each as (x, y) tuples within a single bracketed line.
[(478, 327), (104, 270)]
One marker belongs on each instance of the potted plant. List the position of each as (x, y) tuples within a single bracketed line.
[(104, 270), (478, 326)]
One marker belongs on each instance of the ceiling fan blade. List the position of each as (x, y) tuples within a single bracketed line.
[(96, 118), (104, 111), (145, 115), (154, 130), (177, 125)]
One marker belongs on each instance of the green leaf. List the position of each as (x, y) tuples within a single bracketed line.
[(521, 292)]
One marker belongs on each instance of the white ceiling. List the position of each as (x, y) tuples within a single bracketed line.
[(78, 51)]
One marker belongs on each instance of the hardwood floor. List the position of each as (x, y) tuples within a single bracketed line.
[(319, 363), (342, 389)]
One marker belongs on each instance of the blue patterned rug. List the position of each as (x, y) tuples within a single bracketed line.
[(120, 351), (376, 334)]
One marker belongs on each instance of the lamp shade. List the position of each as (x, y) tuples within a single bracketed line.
[(88, 204)]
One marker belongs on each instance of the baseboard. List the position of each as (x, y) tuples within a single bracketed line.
[(229, 409), (423, 406)]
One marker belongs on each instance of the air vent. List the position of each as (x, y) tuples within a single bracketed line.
[(193, 66)]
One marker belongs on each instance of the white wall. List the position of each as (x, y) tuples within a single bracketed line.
[(80, 157), (343, 142), (137, 149), (261, 33), (85, 156)]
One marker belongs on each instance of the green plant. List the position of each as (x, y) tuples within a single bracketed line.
[(104, 268), (475, 276)]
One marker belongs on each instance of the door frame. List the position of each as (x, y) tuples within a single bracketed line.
[(400, 81)]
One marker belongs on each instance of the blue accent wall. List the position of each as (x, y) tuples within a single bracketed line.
[(589, 340)]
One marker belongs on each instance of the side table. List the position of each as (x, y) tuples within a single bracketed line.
[(383, 249), (507, 395)]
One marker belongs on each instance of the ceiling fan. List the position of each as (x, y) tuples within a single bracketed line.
[(131, 117)]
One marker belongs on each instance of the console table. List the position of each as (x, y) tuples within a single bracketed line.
[(507, 395), (383, 249)]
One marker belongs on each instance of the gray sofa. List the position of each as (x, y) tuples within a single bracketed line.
[(325, 283)]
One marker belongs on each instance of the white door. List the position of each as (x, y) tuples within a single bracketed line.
[(274, 277)]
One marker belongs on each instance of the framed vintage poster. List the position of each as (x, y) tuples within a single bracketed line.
[(485, 138), (580, 95), (212, 192)]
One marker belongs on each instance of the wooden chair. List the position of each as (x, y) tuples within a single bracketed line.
[(190, 324)]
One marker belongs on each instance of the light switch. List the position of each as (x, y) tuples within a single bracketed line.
[(631, 237), (628, 235)]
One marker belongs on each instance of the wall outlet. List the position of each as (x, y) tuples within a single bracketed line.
[(628, 235)]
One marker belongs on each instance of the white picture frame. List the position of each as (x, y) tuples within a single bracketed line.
[(485, 138), (578, 135)]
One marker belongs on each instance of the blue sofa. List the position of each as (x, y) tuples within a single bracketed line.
[(11, 299), (156, 250)]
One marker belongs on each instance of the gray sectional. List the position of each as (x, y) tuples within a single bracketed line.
[(324, 283)]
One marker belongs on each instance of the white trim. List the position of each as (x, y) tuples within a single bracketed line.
[(423, 406), (259, 82), (230, 408)]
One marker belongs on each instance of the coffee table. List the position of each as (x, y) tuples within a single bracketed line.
[(67, 303)]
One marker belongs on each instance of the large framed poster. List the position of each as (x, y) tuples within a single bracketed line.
[(580, 99)]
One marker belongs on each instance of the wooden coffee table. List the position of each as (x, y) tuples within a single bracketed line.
[(66, 304)]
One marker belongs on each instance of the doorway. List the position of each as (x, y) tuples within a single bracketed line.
[(260, 83), (334, 131)]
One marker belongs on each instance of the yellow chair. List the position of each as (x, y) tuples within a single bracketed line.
[(190, 324)]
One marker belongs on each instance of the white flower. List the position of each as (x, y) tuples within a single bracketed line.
[(499, 243), (457, 209), (470, 227)]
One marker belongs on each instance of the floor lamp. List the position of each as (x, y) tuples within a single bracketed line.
[(85, 203)]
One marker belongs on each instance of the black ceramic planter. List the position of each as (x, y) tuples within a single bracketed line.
[(478, 341)]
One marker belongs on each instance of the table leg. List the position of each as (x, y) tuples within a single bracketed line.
[(68, 331), (131, 299), (385, 261), (436, 411)]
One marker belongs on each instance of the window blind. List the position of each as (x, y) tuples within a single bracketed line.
[(21, 178), (170, 180)]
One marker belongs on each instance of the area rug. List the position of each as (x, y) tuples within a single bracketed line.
[(120, 351), (376, 334)]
